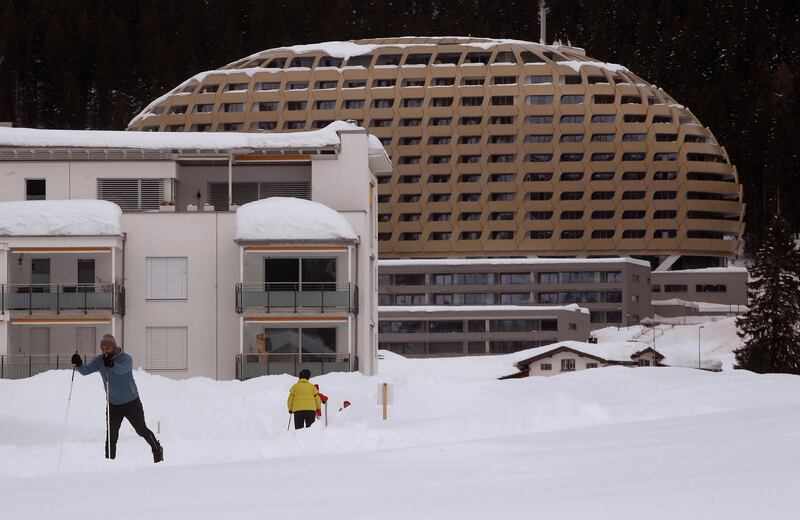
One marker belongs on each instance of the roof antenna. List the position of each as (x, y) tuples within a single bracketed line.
[(543, 21)]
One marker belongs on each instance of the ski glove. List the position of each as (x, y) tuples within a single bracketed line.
[(290, 412), (108, 362), (76, 360)]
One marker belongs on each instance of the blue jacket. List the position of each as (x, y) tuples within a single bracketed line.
[(121, 386)]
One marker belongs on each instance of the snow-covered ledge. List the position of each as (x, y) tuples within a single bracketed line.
[(286, 219), (55, 218)]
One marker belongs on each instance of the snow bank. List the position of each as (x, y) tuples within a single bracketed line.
[(286, 218), (59, 218), (34, 138)]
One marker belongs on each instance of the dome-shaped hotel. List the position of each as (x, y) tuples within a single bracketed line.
[(499, 147)]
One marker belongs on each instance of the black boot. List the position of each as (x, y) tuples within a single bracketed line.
[(158, 453)]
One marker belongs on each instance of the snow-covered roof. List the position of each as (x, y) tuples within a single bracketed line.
[(699, 306), (35, 138), (613, 351), (289, 219), (482, 308), (59, 218), (442, 262), (706, 270)]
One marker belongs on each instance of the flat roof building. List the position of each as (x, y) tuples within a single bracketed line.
[(139, 235)]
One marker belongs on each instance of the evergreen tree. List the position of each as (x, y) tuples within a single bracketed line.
[(771, 326)]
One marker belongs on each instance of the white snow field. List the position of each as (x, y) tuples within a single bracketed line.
[(609, 443)]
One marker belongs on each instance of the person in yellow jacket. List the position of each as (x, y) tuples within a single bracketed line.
[(303, 401)]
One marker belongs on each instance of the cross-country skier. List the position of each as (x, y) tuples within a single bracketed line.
[(115, 368), (303, 401)]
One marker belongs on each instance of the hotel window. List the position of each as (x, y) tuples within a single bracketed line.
[(573, 120), (571, 138), (443, 82), (571, 215), (441, 101), (603, 138), (504, 80), (571, 195), (266, 106), (296, 105), (540, 215), (389, 59), (502, 177), (294, 125), (413, 82), (440, 121), (410, 141), (631, 100), (438, 179), (472, 82), (418, 59), (297, 85), (571, 157), (665, 195), (381, 83), (470, 197), (539, 79), (633, 176), (502, 158), (326, 85), (662, 119), (634, 118), (478, 57), (633, 156), (327, 104), (409, 179), (540, 235), (538, 120), (540, 157), (602, 215), (235, 87), (439, 217), (603, 99), (383, 103), (538, 176), (572, 233), (571, 99), (667, 137), (602, 195), (440, 235), (439, 197), (602, 176), (469, 178), (178, 109), (356, 83), (603, 233), (633, 214), (665, 176), (665, 156), (505, 57), (503, 196), (469, 159), (502, 235), (470, 235), (502, 139), (633, 195), (166, 278), (380, 123), (268, 85), (634, 137), (539, 138), (633, 233), (540, 100), (409, 299), (410, 237), (412, 102), (501, 120), (175, 128), (354, 103), (267, 125), (232, 127), (470, 120), (540, 195), (665, 233), (603, 118), (502, 215), (665, 214), (593, 80), (408, 197)]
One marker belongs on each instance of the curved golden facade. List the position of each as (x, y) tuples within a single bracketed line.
[(500, 147)]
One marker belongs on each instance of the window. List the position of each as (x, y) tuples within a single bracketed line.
[(538, 120), (633, 233), (411, 237), (413, 82), (412, 102), (166, 278), (602, 176), (166, 348), (297, 85), (571, 195), (546, 366), (666, 156), (441, 101), (540, 157), (634, 118), (438, 179), (327, 104), (440, 235), (572, 233), (603, 156), (706, 288), (355, 84), (571, 138), (571, 215), (602, 195), (572, 119), (675, 288), (603, 99), (571, 157), (294, 125), (502, 235), (540, 235), (443, 82), (603, 233), (380, 83), (539, 138), (295, 105), (470, 235), (502, 139), (633, 176), (591, 365), (472, 120), (133, 194), (389, 59), (325, 85), (440, 121), (539, 79), (665, 233), (540, 215), (633, 195), (439, 217), (540, 195), (540, 100), (538, 176), (411, 141), (604, 138), (665, 195), (502, 120), (665, 176), (410, 299), (602, 215), (471, 82), (568, 365), (570, 99), (603, 118), (35, 189), (634, 100), (502, 177), (633, 214), (381, 123)]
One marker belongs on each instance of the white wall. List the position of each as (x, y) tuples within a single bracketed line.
[(63, 267), (62, 338), (555, 361), (13, 175)]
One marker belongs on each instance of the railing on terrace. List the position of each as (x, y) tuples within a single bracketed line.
[(19, 366), (56, 298), (292, 297), (255, 365)]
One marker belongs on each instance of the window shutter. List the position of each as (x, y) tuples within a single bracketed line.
[(166, 348), (300, 189), (86, 340), (166, 278), (132, 194)]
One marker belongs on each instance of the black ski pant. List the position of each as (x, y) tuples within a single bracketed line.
[(134, 412), (304, 418)]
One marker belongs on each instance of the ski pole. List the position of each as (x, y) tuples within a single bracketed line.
[(108, 418), (290, 422), (66, 416)]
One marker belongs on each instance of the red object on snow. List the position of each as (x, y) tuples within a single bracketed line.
[(322, 397)]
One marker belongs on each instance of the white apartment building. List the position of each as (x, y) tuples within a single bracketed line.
[(189, 285)]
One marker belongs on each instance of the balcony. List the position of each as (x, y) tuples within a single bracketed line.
[(69, 298), (22, 366), (296, 297)]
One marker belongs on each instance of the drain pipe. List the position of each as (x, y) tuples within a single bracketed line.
[(122, 318)]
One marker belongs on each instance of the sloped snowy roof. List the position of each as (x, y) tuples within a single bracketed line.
[(613, 351), (35, 138), (290, 219), (59, 218)]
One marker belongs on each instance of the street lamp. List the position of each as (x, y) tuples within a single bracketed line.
[(698, 345)]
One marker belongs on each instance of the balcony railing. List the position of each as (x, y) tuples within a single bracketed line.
[(256, 365), (20, 366), (59, 298), (293, 297)]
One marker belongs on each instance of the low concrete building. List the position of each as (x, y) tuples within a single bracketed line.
[(614, 290), (185, 292), (419, 331), (716, 291)]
